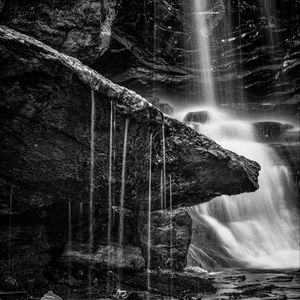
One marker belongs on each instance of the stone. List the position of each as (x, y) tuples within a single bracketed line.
[(171, 234), (267, 131), (197, 116), (113, 257), (51, 296), (45, 151), (79, 28)]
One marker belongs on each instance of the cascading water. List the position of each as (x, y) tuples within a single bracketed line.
[(201, 13), (256, 230)]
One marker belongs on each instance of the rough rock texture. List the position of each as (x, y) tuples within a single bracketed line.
[(41, 125), (128, 258), (170, 239), (45, 149), (77, 27), (151, 44)]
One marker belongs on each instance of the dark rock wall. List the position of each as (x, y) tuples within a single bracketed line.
[(151, 44)]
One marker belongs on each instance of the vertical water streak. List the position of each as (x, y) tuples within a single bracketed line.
[(10, 229), (110, 175), (122, 196), (164, 165), (91, 198), (69, 241), (240, 51), (80, 221), (171, 232), (149, 215), (203, 44), (161, 189)]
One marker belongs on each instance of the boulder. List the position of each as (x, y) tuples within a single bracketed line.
[(46, 123), (201, 116), (45, 151), (268, 131)]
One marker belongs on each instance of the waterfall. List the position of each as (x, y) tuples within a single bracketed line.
[(201, 12), (255, 230), (258, 229)]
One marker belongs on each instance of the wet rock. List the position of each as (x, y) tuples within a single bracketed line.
[(270, 131), (45, 150), (171, 234), (113, 257), (50, 120), (51, 296), (27, 247), (178, 285), (197, 117), (79, 28), (162, 106)]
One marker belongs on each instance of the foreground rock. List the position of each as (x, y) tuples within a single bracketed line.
[(45, 150), (49, 120)]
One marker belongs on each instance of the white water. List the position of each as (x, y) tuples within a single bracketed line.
[(200, 9), (258, 229)]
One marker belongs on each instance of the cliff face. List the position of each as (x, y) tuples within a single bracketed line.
[(45, 158)]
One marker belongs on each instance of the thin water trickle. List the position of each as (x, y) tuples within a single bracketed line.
[(91, 198), (80, 221), (123, 180), (110, 178), (171, 232), (69, 241), (149, 215), (164, 166), (122, 195), (161, 189), (10, 229)]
